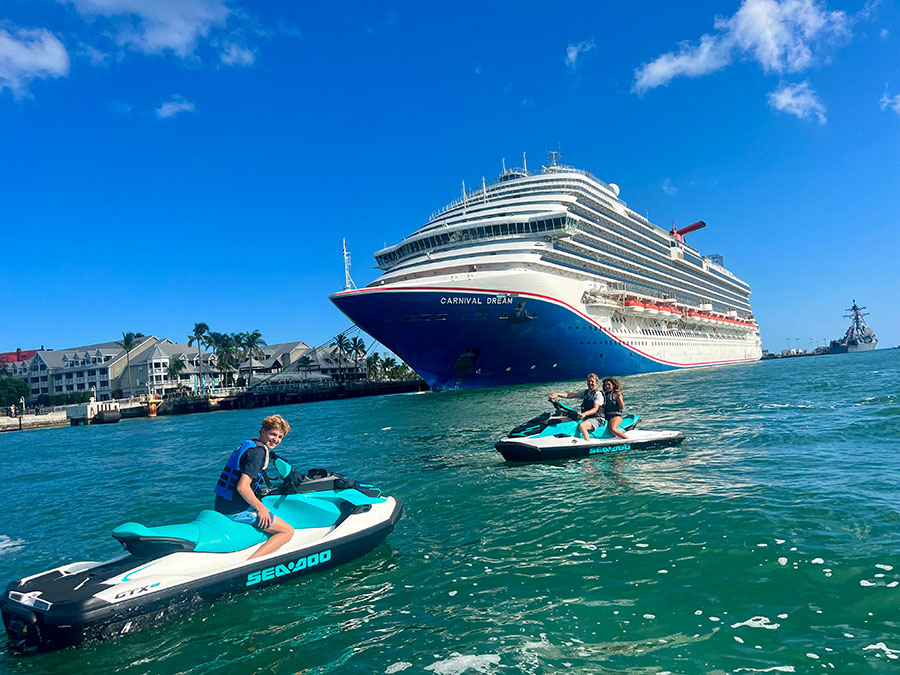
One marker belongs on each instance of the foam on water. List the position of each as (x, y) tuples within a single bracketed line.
[(459, 663), (9, 544), (758, 622)]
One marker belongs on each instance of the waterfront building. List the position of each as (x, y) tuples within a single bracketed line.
[(295, 362), (17, 356), (149, 372), (97, 368), (104, 369), (275, 358)]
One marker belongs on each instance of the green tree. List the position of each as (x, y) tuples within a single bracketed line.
[(373, 365), (342, 343), (305, 362), (225, 346), (12, 389), (174, 370), (357, 349), (199, 335), (250, 344), (389, 367), (129, 341)]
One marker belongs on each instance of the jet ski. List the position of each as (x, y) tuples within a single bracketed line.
[(554, 435), (170, 570)]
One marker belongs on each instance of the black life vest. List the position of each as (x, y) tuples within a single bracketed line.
[(611, 403), (228, 481), (591, 399)]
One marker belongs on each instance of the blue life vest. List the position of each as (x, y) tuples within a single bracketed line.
[(228, 481)]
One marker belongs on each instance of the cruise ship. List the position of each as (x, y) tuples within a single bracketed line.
[(545, 276)]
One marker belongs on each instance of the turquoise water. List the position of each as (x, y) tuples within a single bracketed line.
[(766, 542)]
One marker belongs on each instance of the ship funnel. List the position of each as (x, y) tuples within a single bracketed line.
[(679, 234)]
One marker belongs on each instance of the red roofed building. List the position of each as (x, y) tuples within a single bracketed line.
[(16, 356)]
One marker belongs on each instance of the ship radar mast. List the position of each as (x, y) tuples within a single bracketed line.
[(554, 155), (348, 282), (858, 325)]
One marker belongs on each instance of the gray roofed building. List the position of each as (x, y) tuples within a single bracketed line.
[(94, 368), (152, 369), (325, 363)]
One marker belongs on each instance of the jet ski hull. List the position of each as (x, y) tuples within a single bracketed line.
[(85, 602), (551, 448)]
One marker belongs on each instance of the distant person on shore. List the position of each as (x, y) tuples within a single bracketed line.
[(613, 405), (591, 400), (236, 491)]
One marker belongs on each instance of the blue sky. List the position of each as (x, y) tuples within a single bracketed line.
[(173, 161)]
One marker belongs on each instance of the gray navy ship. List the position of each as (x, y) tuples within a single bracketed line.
[(858, 338)]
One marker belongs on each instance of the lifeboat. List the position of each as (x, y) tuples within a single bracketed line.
[(650, 308), (632, 305)]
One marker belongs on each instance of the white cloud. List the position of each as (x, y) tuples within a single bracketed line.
[(157, 26), (779, 34), (668, 188), (234, 55), (30, 54), (890, 102), (573, 52), (177, 104), (885, 33), (94, 55), (799, 100)]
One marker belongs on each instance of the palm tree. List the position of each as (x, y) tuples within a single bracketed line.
[(174, 370), (343, 345), (250, 343), (389, 367), (373, 363), (357, 348), (305, 362), (200, 335), (225, 347), (128, 342)]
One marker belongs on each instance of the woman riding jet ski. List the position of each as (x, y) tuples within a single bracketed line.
[(168, 570), (557, 435)]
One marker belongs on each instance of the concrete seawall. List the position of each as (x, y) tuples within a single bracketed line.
[(52, 419)]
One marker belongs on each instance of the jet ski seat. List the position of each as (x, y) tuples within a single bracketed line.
[(213, 532), (210, 532)]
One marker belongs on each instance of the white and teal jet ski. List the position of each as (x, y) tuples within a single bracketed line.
[(555, 435), (170, 570)]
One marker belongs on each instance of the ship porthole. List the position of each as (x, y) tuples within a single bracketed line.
[(554, 365), (508, 368), (533, 367)]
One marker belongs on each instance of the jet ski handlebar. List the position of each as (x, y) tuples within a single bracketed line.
[(295, 482), (564, 410)]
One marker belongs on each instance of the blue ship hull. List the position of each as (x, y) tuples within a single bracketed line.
[(458, 339)]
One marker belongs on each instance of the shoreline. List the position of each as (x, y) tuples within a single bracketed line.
[(188, 405)]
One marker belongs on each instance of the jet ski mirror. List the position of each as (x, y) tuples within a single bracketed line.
[(282, 468)]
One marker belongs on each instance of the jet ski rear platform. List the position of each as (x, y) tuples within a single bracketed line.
[(169, 571), (555, 436)]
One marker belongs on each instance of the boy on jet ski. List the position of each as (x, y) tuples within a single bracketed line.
[(592, 400), (236, 489)]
